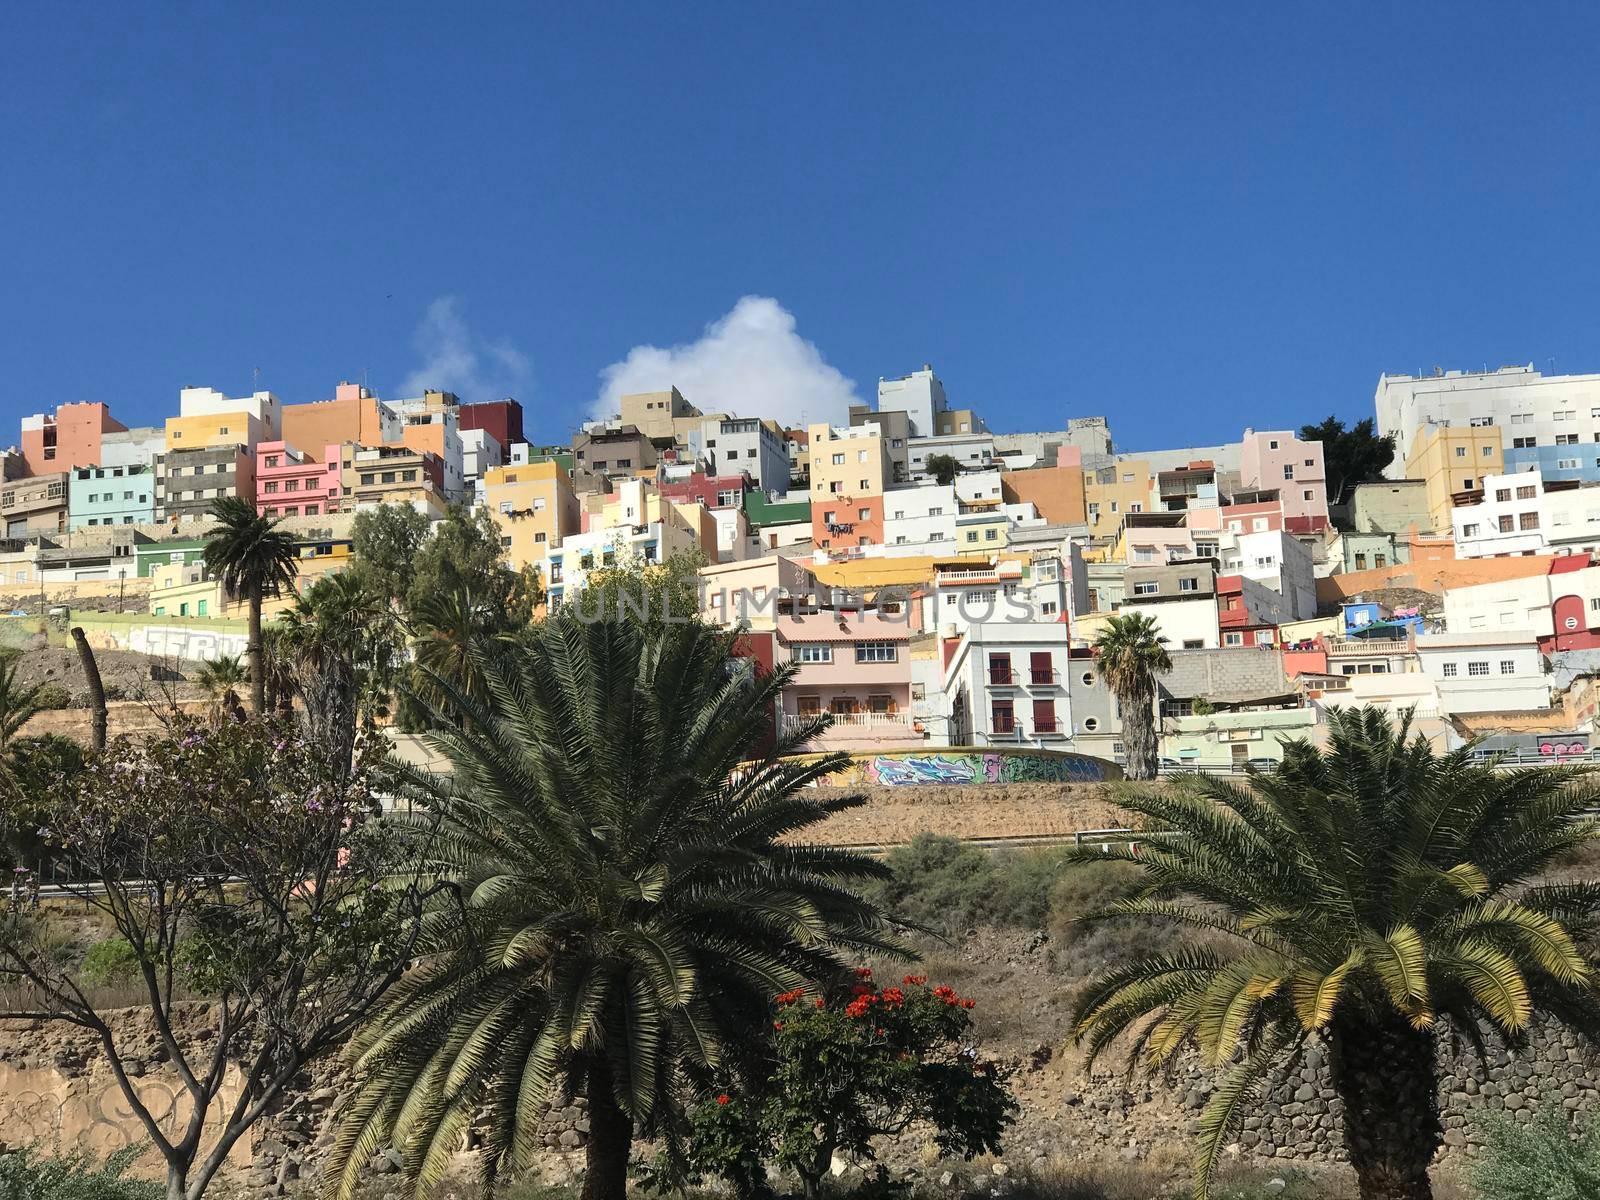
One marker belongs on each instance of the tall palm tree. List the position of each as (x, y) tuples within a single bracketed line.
[(253, 559), (1132, 653), (1356, 897), (627, 899), (220, 679), (449, 630), (19, 703)]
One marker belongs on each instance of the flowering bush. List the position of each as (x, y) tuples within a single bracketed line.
[(847, 1065)]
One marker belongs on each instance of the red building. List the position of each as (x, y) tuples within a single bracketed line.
[(67, 438), (500, 419), (713, 491)]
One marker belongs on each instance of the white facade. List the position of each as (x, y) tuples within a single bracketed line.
[(1185, 624), (1485, 672), (1526, 603), (208, 402), (1007, 682), (973, 451), (1278, 560), (978, 485), (479, 452), (1519, 401), (133, 447), (923, 517), (1519, 515), (919, 395), (734, 541), (756, 447)]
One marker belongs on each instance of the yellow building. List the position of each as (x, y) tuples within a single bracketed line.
[(535, 507), (849, 461), (952, 421), (981, 528), (1112, 492), (1451, 459), (207, 430)]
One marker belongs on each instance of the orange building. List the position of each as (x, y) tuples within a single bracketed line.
[(68, 438), (1057, 492), (353, 415), (839, 522)]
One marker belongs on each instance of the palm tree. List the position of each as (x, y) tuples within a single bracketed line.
[(1356, 897), (616, 830), (19, 704), (1132, 652), (220, 678), (254, 559)]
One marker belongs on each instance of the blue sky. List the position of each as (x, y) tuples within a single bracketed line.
[(1186, 217)]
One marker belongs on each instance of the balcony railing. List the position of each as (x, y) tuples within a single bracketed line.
[(851, 720), (1043, 677), (1001, 677)]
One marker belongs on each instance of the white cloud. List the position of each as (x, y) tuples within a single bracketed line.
[(454, 359), (750, 362)]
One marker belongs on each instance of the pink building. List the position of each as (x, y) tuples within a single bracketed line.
[(1257, 517), (70, 437), (713, 491), (855, 666), (1280, 461), (289, 483)]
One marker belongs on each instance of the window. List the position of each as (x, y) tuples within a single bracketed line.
[(1189, 584), (1361, 562), (1529, 520), (1524, 443), (1502, 494), (990, 535), (1000, 668), (1469, 530), (1145, 589), (1507, 525), (838, 460), (1233, 639), (1480, 422), (813, 652), (1040, 669), (1566, 439), (1508, 666), (1461, 451), (1127, 477), (1273, 444), (1380, 560), (1306, 495), (875, 652), (863, 514), (1002, 716), (1136, 507), (1044, 716), (1477, 668), (1448, 670), (1568, 464), (1488, 451)]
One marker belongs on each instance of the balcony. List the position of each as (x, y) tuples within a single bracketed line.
[(1002, 677), (1043, 677), (858, 730)]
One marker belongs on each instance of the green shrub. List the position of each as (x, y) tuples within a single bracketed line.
[(23, 1176), (52, 695), (1538, 1161), (110, 962)]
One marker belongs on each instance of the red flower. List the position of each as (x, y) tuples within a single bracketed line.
[(723, 1099), (861, 989), (821, 1003), (914, 980), (863, 972), (777, 1024), (968, 1003)]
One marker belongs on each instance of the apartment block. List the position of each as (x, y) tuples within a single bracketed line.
[(752, 446), (920, 396), (1007, 681), (353, 416), (1278, 460), (1056, 492), (189, 481), (896, 429), (1549, 422), (69, 437), (713, 491), (34, 505), (848, 461), (535, 507), (1524, 514), (1391, 506), (1451, 460), (99, 496), (1181, 598), (1111, 492), (133, 447), (374, 475), (660, 416), (971, 451), (613, 452), (920, 519), (856, 667), (208, 419), (290, 483), (1496, 671), (500, 419), (430, 424)]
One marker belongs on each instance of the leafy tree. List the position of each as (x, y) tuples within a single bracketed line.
[(617, 826), (1132, 654), (243, 869), (944, 468), (19, 703), (24, 1175), (464, 555), (1357, 896), (1538, 1161), (386, 540), (652, 593), (253, 559), (220, 679), (844, 1067), (1350, 456)]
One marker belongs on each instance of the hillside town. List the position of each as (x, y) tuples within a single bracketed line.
[(939, 579)]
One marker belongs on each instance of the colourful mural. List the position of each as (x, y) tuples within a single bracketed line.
[(974, 766)]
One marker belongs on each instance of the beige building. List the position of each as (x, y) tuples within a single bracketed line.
[(535, 507), (1113, 491), (33, 505), (851, 461), (657, 415), (1450, 459)]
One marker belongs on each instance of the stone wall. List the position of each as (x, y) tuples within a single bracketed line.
[(894, 815)]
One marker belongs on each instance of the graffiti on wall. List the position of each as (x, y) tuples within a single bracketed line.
[(971, 766), (42, 1107)]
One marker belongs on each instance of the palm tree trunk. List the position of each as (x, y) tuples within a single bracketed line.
[(1143, 750), (100, 719), (605, 1175), (258, 673), (1384, 1071)]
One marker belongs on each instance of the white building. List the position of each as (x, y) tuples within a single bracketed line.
[(919, 395), (1279, 561), (1006, 681), (132, 447), (1522, 514), (754, 446), (1542, 420), (920, 519), (1485, 672), (972, 451), (1181, 598), (262, 408), (479, 451)]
